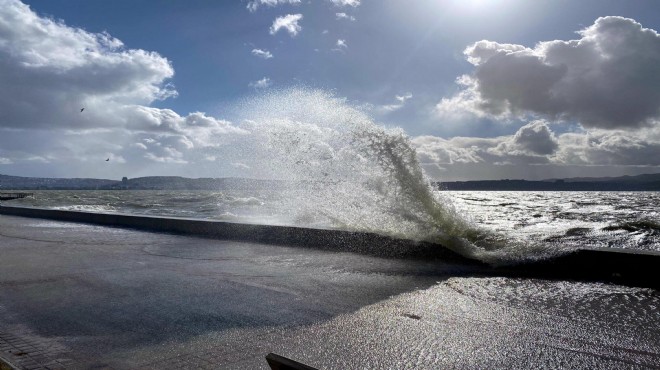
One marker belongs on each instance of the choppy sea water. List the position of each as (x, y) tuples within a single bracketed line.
[(548, 221), (568, 219)]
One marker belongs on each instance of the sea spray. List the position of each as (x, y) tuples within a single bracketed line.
[(348, 172)]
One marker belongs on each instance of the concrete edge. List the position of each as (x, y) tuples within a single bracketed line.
[(6, 365), (277, 362), (618, 266), (326, 239)]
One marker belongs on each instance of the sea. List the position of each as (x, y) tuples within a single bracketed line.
[(521, 224)]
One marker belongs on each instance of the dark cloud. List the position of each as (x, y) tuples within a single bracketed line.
[(536, 138), (609, 78)]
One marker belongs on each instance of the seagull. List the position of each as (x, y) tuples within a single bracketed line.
[(107, 159), (82, 109)]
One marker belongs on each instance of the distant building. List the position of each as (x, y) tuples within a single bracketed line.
[(124, 182)]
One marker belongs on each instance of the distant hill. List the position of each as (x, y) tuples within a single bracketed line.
[(33, 183), (650, 177), (646, 182), (139, 183)]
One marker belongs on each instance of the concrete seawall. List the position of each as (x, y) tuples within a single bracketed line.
[(637, 268), (335, 240), (612, 265)]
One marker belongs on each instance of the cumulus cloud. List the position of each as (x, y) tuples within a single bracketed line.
[(264, 54), (342, 3), (535, 144), (345, 16), (535, 138), (287, 22), (253, 5), (55, 70), (261, 84), (609, 78), (607, 147)]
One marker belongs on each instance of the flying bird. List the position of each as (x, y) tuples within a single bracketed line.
[(82, 109), (107, 159)]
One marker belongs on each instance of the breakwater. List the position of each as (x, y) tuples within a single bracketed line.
[(327, 239), (638, 268)]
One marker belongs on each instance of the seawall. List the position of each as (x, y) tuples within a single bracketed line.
[(621, 266), (335, 240)]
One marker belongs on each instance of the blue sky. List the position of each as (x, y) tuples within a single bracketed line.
[(394, 60)]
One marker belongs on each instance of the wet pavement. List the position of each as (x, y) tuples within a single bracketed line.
[(83, 296)]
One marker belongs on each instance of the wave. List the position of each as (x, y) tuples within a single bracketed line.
[(358, 175), (87, 208), (644, 225)]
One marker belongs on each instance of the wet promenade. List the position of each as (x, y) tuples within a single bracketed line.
[(83, 296)]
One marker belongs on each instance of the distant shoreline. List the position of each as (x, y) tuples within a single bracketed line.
[(646, 182), (523, 185)]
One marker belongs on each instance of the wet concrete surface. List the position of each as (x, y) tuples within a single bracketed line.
[(83, 296)]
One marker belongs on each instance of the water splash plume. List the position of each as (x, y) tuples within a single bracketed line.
[(350, 173)]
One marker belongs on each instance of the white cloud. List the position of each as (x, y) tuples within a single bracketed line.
[(253, 5), (341, 46), (535, 144), (400, 102), (5, 161), (610, 147), (240, 165), (609, 78), (175, 158), (342, 3), (288, 22), (55, 70), (264, 54), (345, 16), (37, 158), (139, 145), (261, 84), (403, 98)]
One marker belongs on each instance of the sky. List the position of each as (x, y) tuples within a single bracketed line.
[(483, 89)]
